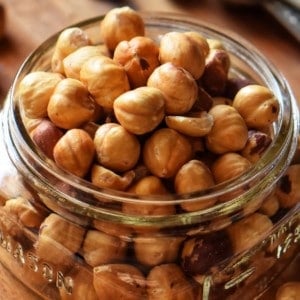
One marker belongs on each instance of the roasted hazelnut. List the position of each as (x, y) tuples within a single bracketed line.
[(270, 205), (193, 124), (105, 178), (74, 152), (45, 136), (121, 24), (68, 41), (288, 291), (248, 231), (183, 51), (256, 145), (116, 148), (105, 79), (100, 248), (73, 62), (165, 151), (229, 132), (203, 102), (139, 56), (35, 90), (257, 105), (140, 110), (288, 187), (228, 166), (215, 74), (177, 85), (215, 44), (121, 231), (200, 39), (168, 282), (70, 105), (234, 84), (191, 177), (119, 281)]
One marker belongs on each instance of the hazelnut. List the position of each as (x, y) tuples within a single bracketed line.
[(116, 148), (105, 79), (139, 56), (165, 151), (229, 132), (74, 152), (191, 177), (100, 248), (68, 41), (119, 24), (140, 110), (257, 105), (215, 44), (234, 84), (35, 90), (183, 51), (45, 136), (200, 39), (228, 166), (168, 282), (288, 291), (270, 205), (177, 85), (73, 62), (119, 281), (203, 102), (70, 105)]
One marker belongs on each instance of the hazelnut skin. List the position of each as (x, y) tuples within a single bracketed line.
[(288, 291)]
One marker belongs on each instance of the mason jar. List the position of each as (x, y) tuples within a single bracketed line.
[(62, 237)]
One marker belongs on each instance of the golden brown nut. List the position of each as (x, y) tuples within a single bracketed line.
[(194, 124), (257, 105), (177, 85), (191, 177), (73, 62), (215, 44), (140, 110), (169, 282), (74, 152), (270, 205), (105, 178), (35, 91), (68, 41), (183, 51), (200, 39), (228, 166), (119, 281), (105, 79), (100, 248), (165, 151), (289, 291), (139, 56), (119, 24), (229, 132), (116, 148), (70, 105)]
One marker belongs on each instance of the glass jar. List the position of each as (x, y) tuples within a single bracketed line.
[(63, 238)]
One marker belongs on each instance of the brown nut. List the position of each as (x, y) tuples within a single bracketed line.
[(105, 178), (119, 24), (183, 51), (288, 187), (215, 44), (140, 110), (116, 148), (177, 85), (45, 136), (70, 105), (100, 248), (139, 56), (194, 124), (168, 282), (250, 230), (229, 132), (257, 105), (73, 62), (119, 281), (104, 79), (270, 205), (203, 102), (256, 145), (215, 74), (200, 39), (288, 291), (191, 177), (165, 151), (74, 152), (35, 91), (228, 166), (68, 41), (234, 84)]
